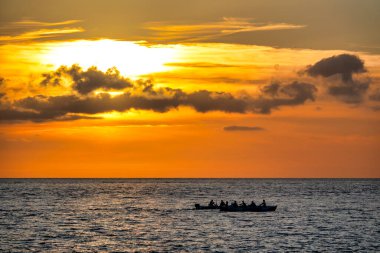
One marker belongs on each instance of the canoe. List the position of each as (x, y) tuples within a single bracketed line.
[(199, 207), (248, 209)]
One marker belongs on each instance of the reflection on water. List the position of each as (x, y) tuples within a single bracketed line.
[(158, 215)]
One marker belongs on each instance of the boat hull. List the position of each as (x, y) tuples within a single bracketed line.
[(199, 207), (249, 209)]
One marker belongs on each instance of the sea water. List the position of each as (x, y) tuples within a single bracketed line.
[(123, 215)]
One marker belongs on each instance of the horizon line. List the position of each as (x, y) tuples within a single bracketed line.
[(189, 178)]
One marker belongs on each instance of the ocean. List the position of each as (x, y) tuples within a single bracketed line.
[(145, 215)]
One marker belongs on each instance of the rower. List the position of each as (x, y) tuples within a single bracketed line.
[(252, 204), (222, 203), (212, 203), (243, 204), (263, 204)]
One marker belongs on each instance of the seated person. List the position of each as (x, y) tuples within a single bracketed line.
[(212, 203), (222, 204), (263, 204), (235, 204), (243, 204), (253, 204)]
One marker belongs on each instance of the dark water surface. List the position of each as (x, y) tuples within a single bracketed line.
[(91, 215)]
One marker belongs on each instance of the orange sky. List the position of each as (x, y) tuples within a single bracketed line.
[(183, 100)]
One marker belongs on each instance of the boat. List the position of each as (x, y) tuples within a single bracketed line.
[(199, 207), (248, 208)]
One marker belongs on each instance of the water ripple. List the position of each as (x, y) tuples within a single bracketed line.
[(145, 215)]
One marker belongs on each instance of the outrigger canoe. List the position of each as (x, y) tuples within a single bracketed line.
[(199, 207), (248, 209), (239, 208)]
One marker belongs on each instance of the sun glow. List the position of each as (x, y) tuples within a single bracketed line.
[(131, 58)]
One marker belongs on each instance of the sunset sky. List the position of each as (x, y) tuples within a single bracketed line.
[(170, 88)]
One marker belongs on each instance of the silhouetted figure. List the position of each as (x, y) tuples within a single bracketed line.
[(263, 204), (222, 204), (226, 203), (212, 203), (243, 204), (253, 204), (234, 204)]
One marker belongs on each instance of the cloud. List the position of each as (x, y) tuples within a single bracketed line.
[(205, 101), (204, 31), (271, 89), (276, 94), (350, 92), (141, 95), (9, 115), (86, 81), (24, 30), (162, 101), (242, 128), (35, 23), (344, 65), (39, 34)]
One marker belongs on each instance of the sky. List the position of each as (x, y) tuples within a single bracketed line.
[(210, 89)]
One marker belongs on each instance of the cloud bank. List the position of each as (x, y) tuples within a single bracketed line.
[(89, 97), (88, 94)]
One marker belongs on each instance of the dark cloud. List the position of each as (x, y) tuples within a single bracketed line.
[(161, 101), (349, 92), (344, 64), (86, 81), (12, 114), (204, 101), (42, 108), (242, 128), (275, 95), (271, 89), (19, 115)]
